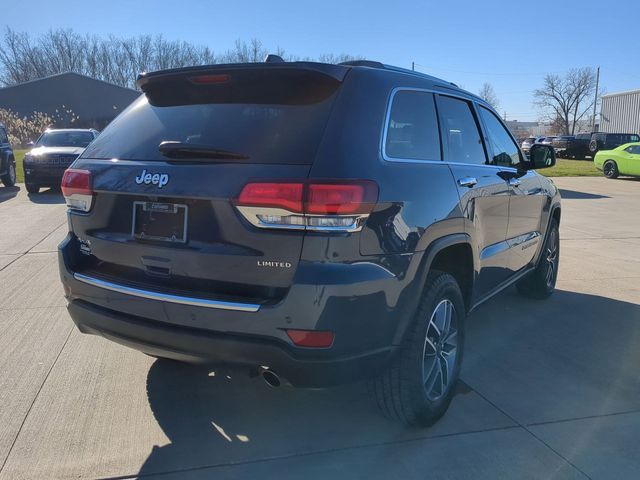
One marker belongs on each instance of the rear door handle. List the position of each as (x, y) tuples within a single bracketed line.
[(514, 182), (467, 181)]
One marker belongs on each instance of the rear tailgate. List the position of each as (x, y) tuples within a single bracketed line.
[(169, 223)]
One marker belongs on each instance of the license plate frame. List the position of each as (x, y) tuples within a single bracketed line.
[(144, 211)]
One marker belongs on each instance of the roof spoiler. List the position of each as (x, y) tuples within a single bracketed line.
[(336, 72)]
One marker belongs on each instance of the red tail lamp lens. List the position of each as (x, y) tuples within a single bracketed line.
[(282, 195), (340, 199), (311, 338), (76, 182)]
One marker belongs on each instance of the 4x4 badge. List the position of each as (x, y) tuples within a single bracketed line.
[(159, 179)]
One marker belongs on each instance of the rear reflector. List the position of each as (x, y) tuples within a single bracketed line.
[(311, 338), (322, 206), (77, 189)]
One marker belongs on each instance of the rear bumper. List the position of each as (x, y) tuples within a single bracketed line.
[(197, 346), (364, 309)]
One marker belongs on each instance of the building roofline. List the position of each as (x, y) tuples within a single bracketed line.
[(615, 94), (68, 73)]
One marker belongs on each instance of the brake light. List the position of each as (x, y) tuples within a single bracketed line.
[(322, 206), (209, 79), (311, 338), (77, 189), (283, 195)]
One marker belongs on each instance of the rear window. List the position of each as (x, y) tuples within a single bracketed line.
[(263, 132)]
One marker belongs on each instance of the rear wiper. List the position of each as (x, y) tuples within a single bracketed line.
[(191, 151)]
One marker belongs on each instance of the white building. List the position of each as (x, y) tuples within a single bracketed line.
[(620, 112)]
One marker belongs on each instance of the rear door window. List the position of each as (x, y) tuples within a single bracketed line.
[(412, 127), (460, 132), (504, 150)]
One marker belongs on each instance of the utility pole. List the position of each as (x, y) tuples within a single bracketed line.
[(595, 102), (413, 66)]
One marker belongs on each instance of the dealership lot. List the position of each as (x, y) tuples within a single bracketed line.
[(551, 389)]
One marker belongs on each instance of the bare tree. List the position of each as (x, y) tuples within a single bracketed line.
[(488, 94), (567, 100)]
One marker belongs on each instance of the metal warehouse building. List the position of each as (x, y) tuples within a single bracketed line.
[(71, 99), (620, 112)]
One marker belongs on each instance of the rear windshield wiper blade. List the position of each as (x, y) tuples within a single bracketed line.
[(192, 151)]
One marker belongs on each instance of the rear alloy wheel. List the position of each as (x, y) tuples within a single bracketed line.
[(32, 188), (610, 169), (9, 180), (418, 386), (542, 281)]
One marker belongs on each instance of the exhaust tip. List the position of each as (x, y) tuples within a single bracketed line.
[(271, 378)]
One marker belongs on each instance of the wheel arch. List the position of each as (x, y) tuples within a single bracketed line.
[(444, 254)]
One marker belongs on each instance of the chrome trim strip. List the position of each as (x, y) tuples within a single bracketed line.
[(164, 297), (251, 214)]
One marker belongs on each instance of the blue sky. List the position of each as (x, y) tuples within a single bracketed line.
[(511, 45)]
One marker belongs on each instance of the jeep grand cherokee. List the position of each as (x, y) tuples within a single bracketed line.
[(323, 223)]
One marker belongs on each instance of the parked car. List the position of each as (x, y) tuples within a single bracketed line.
[(7, 160), (528, 142), (561, 143), (547, 140), (622, 160), (52, 154), (226, 218), (609, 141), (578, 147)]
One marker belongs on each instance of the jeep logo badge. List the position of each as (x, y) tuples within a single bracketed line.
[(159, 179)]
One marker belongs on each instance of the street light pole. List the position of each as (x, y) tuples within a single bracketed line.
[(595, 102)]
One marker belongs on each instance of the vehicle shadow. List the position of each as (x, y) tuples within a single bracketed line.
[(575, 195), (47, 197), (7, 193), (535, 360)]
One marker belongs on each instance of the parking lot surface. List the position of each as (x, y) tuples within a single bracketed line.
[(550, 389)]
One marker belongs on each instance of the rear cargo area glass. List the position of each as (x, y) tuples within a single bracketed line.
[(265, 133)]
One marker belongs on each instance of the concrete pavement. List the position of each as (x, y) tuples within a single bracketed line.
[(550, 389)]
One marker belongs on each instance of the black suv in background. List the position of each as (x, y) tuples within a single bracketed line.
[(52, 154), (316, 223), (609, 141), (7, 161)]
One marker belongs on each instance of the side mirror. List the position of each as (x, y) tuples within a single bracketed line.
[(541, 156), (30, 143)]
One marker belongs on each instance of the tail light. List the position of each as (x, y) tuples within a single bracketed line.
[(77, 189), (317, 206)]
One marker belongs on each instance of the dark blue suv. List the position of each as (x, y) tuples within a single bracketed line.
[(315, 223)]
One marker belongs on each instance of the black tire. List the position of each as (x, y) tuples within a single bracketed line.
[(541, 282), (610, 169), (32, 188), (402, 391), (9, 179)]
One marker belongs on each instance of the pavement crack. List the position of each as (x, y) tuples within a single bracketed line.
[(305, 454), (528, 430)]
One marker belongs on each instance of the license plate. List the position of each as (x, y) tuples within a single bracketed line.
[(166, 222)]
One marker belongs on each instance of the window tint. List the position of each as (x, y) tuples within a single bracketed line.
[(266, 133), (635, 149), (65, 139), (460, 131), (412, 131), (504, 150), (3, 136)]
